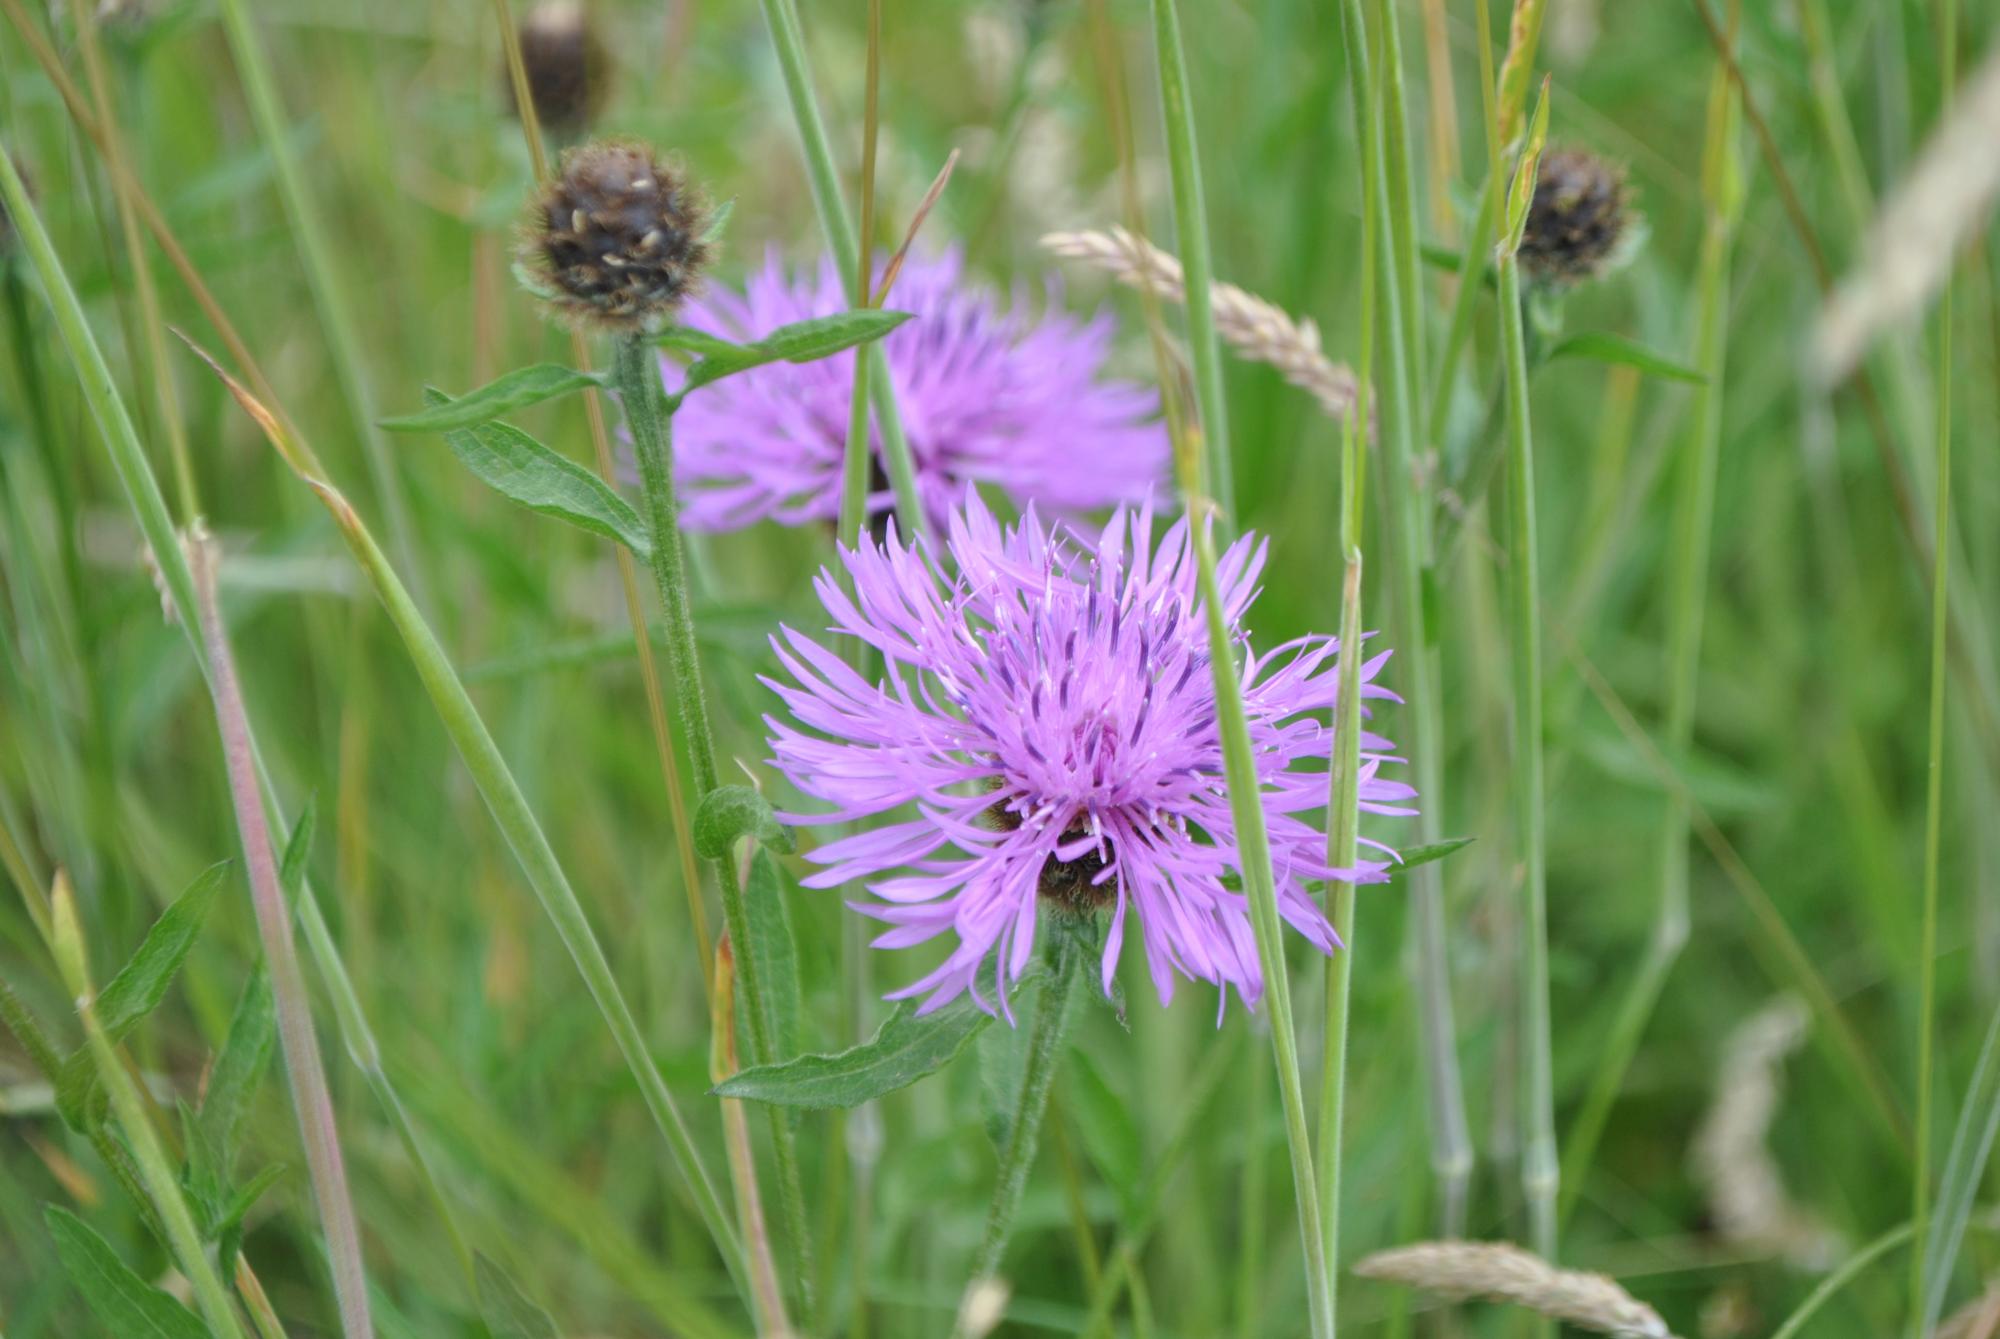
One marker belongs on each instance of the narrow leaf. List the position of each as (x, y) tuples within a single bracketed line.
[(508, 1312), (699, 343), (1425, 854), (298, 848), (729, 812), (1603, 347), (518, 467), (246, 1051), (127, 1305), (137, 990), (142, 983), (516, 390), (903, 1050), (822, 337), (800, 342), (772, 941)]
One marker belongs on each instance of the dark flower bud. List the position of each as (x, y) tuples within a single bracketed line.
[(616, 241), (1579, 220), (568, 69)]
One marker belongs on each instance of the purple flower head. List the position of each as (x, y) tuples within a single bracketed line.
[(1050, 713), (986, 395)]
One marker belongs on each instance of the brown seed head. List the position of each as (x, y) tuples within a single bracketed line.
[(1580, 214), (616, 238), (568, 69)]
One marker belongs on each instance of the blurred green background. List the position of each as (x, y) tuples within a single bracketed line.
[(1809, 747)]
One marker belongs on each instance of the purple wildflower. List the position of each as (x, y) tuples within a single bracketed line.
[(1051, 715), (987, 396)]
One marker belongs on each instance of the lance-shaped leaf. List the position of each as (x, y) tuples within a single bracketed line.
[(127, 1305), (1425, 854), (139, 987), (777, 951), (1603, 347), (903, 1050), (516, 466), (800, 342), (516, 390), (508, 1312)]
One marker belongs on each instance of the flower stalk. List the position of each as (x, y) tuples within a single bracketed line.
[(1064, 961), (304, 1072), (1540, 1173), (162, 1185), (648, 413)]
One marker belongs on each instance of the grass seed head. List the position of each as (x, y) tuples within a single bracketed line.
[(1579, 220), (615, 242)]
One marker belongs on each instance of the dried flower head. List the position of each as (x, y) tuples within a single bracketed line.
[(568, 69), (1050, 713), (615, 240), (987, 395), (1579, 220)]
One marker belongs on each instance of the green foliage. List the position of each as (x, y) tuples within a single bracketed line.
[(520, 468), (907, 1047), (728, 813), (516, 390), (137, 990), (800, 342), (1602, 347), (131, 1307), (777, 950), (510, 1313)]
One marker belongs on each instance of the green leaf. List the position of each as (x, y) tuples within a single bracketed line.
[(800, 342), (298, 849), (698, 342), (1600, 346), (718, 222), (1107, 1127), (239, 1067), (1425, 854), (245, 1199), (516, 390), (776, 950), (507, 1311), (729, 812), (904, 1049), (1003, 1066), (128, 1306), (142, 983), (518, 467), (138, 988)]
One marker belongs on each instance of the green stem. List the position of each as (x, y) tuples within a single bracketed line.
[(1343, 815), (1408, 540), (1694, 511), (304, 1074), (142, 491), (648, 414), (1920, 1187), (1540, 1176), (162, 1186), (531, 848), (788, 39), (1850, 1268), (323, 281), (1066, 961), (1191, 227)]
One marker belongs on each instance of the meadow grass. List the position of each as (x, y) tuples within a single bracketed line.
[(1697, 647)]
